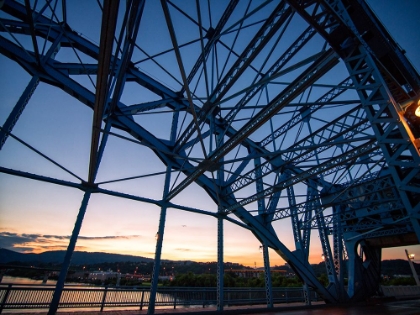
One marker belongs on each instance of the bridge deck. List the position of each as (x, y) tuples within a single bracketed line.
[(400, 307)]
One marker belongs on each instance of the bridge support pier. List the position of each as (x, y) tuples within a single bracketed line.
[(45, 279), (363, 269)]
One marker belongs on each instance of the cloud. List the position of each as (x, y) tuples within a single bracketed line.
[(183, 249), (118, 237), (34, 242), (9, 240)]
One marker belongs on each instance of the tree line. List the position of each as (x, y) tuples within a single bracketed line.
[(230, 279)]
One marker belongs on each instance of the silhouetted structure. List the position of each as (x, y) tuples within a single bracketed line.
[(282, 110)]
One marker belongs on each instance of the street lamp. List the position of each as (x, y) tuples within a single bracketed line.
[(410, 258), (411, 106), (410, 110)]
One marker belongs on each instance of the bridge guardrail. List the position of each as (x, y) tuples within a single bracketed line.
[(401, 291), (37, 297)]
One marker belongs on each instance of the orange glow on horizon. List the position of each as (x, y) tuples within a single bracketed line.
[(255, 260)]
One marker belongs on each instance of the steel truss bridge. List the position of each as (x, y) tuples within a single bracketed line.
[(296, 110)]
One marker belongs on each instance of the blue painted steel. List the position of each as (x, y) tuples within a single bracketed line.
[(17, 110), (158, 254), (296, 228), (248, 106), (159, 239), (67, 258), (267, 277), (393, 145), (259, 184), (220, 237), (220, 263), (160, 233)]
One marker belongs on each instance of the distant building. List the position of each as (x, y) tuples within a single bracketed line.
[(79, 275), (139, 277), (252, 273), (103, 275), (402, 276)]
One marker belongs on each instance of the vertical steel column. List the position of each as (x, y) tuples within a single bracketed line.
[(296, 227), (267, 274), (18, 109), (295, 219), (338, 249), (220, 269), (67, 259), (220, 235), (158, 252), (326, 249), (309, 207), (325, 243), (306, 294), (161, 229), (259, 184), (262, 210)]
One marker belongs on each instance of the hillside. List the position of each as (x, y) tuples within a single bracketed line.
[(56, 257), (106, 260), (398, 267)]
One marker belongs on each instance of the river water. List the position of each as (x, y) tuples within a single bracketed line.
[(17, 280)]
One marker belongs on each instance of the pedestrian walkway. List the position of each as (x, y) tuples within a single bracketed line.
[(378, 307), (246, 309)]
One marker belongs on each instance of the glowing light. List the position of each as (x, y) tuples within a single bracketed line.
[(417, 112), (411, 256)]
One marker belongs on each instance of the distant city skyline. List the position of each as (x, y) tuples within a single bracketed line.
[(37, 216)]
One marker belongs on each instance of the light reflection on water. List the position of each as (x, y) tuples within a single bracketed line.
[(26, 281), (18, 280)]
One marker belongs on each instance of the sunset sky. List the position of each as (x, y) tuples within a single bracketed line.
[(37, 216)]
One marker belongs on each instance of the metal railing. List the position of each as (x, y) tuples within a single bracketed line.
[(401, 291), (14, 296)]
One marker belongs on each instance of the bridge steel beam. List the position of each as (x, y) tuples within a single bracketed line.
[(69, 253), (17, 110), (371, 132), (392, 132), (322, 65), (220, 262), (271, 25)]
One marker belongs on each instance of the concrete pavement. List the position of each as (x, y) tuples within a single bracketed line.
[(380, 307)]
